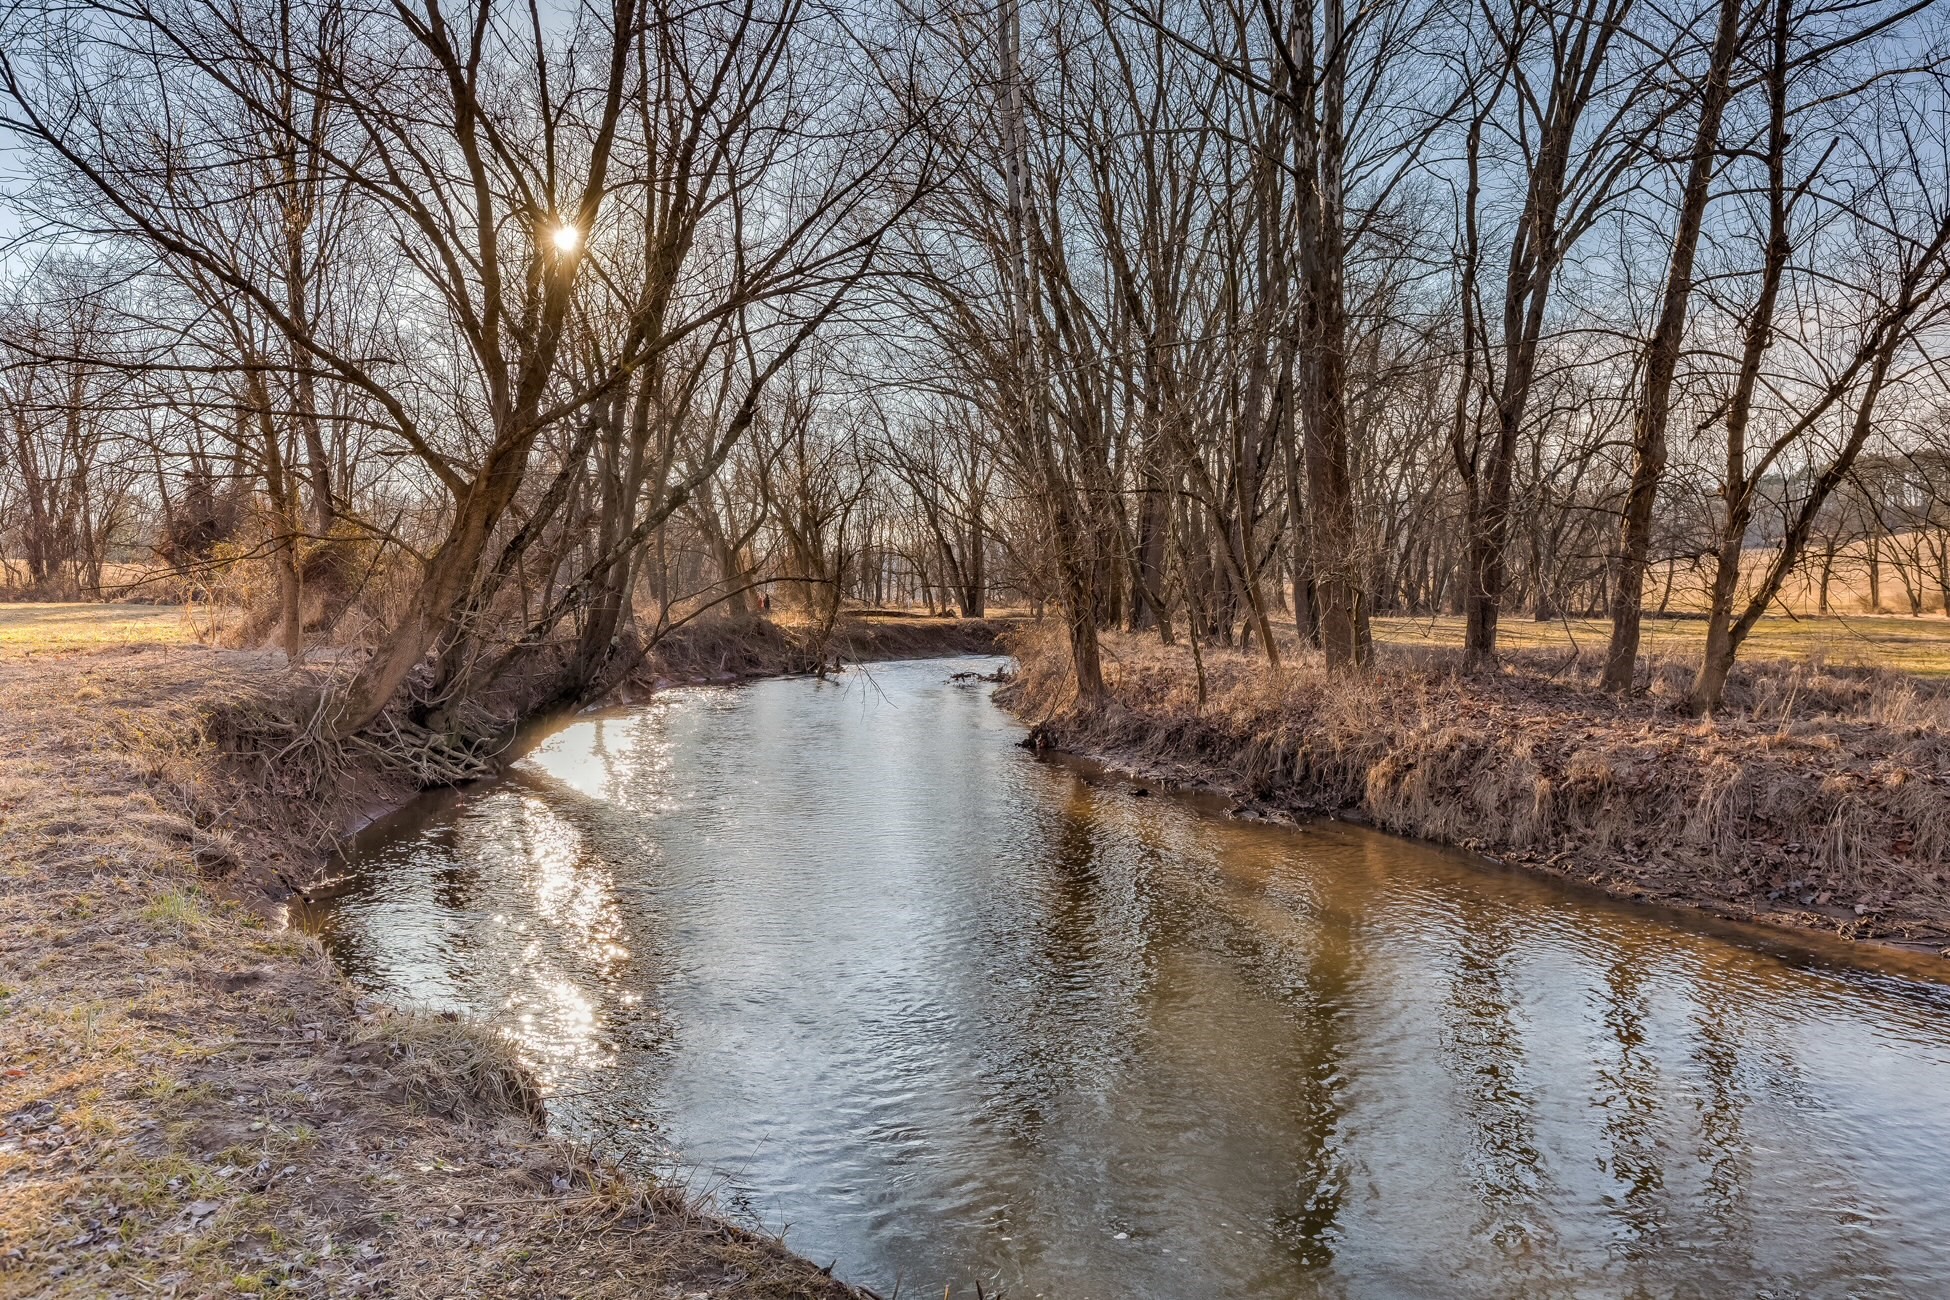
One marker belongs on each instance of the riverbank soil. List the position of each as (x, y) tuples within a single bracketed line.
[(1819, 800), (193, 1102)]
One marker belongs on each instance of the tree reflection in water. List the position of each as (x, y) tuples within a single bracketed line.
[(957, 1013)]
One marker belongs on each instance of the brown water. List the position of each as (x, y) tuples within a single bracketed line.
[(845, 954)]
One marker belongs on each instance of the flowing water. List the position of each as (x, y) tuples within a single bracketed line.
[(847, 955)]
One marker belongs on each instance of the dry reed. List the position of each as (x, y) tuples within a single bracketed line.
[(1820, 796)]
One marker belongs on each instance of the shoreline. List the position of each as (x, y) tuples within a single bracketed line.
[(1434, 757), (936, 639), (916, 638), (1928, 962), (194, 1098), (195, 1101)]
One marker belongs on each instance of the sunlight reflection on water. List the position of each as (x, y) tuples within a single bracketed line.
[(954, 1012)]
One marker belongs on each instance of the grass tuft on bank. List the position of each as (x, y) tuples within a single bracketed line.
[(1820, 798)]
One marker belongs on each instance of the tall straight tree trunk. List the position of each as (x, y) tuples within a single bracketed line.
[(1316, 101), (304, 390), (1544, 232), (1489, 532), (284, 510), (1069, 525), (1147, 595), (1662, 360), (1943, 570), (1268, 389), (1875, 570), (1464, 439), (1940, 552), (975, 578), (1306, 609)]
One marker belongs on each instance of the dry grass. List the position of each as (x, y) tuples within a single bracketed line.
[(192, 1101), (1920, 646), (35, 627), (118, 579), (1821, 798), (1904, 557)]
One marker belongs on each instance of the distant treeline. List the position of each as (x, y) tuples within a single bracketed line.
[(497, 341)]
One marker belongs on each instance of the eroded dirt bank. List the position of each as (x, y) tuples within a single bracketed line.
[(1819, 801), (193, 1102)]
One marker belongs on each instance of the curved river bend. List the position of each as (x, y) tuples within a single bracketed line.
[(847, 955)]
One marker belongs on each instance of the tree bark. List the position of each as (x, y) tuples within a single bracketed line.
[(1662, 360)]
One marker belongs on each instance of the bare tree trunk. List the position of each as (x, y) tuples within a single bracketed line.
[(1875, 569), (1662, 360), (1545, 230), (1709, 686), (1316, 103), (1068, 524), (975, 579), (284, 511), (1943, 569)]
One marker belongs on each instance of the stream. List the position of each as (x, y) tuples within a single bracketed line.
[(844, 956)]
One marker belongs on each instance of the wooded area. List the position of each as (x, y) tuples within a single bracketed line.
[(493, 342)]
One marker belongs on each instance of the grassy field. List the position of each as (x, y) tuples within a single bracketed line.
[(34, 626), (1914, 645)]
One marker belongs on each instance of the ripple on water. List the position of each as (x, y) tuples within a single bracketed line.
[(952, 1012)]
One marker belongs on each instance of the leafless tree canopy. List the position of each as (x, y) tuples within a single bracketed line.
[(484, 343)]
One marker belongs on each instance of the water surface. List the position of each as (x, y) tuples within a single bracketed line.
[(847, 956)]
